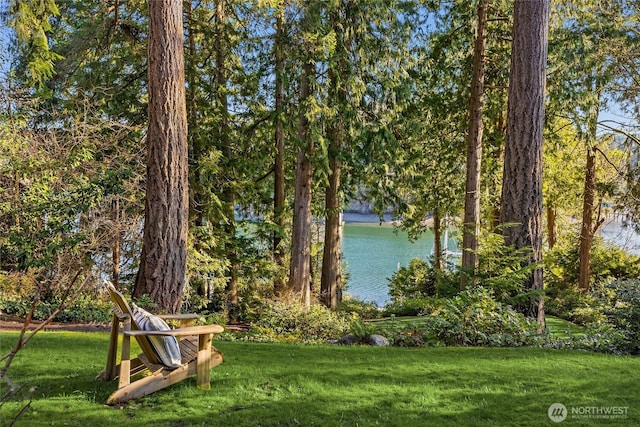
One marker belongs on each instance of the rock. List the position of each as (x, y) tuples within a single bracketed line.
[(378, 340), (351, 339), (348, 339)]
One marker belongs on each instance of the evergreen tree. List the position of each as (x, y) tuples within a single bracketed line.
[(163, 261), (521, 210)]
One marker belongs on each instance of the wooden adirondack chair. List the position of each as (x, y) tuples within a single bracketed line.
[(198, 356)]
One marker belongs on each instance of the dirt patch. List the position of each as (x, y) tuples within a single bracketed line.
[(9, 323)]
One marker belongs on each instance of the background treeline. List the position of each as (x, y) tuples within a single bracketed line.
[(295, 108)]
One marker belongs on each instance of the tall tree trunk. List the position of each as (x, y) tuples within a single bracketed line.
[(164, 249), (195, 145), (229, 193), (587, 230), (115, 251), (551, 225), (522, 179), (331, 280), (300, 268), (437, 240), (471, 223), (279, 171)]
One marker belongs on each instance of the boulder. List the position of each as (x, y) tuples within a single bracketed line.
[(348, 339), (378, 340)]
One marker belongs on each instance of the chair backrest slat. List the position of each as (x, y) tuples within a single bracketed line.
[(122, 305)]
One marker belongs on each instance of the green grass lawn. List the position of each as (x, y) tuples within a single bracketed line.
[(303, 385), (563, 328), (557, 327)]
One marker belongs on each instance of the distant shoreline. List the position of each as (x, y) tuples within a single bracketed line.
[(364, 218)]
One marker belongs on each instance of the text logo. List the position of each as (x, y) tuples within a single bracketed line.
[(557, 412)]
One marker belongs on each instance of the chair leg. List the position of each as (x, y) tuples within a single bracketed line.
[(161, 379), (125, 363), (203, 370), (111, 371), (147, 385)]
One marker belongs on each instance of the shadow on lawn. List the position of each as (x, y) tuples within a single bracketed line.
[(287, 385)]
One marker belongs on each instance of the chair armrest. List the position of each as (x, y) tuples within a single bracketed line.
[(191, 330)]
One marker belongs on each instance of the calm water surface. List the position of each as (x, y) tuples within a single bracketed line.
[(373, 252)]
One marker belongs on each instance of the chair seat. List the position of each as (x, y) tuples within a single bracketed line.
[(197, 356), (188, 349)]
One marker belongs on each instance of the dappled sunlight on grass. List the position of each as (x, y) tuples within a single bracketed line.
[(285, 384)]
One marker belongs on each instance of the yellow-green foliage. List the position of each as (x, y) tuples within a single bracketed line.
[(17, 285), (291, 321)]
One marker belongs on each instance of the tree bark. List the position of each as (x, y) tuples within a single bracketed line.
[(437, 240), (279, 171), (331, 280), (521, 207), (196, 150), (551, 225), (164, 250), (471, 223), (229, 192), (300, 268), (587, 228), (117, 235)]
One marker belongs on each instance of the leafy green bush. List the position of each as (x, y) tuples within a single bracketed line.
[(620, 301), (608, 262), (611, 312), (415, 280), (413, 306), (503, 269), (472, 318), (361, 329), (477, 318), (598, 337), (84, 310), (365, 310), (420, 279), (575, 305), (290, 321)]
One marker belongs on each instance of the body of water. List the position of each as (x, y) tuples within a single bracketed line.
[(373, 252)]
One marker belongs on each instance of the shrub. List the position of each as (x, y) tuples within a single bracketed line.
[(415, 280), (598, 337), (620, 301), (364, 310), (575, 305), (477, 318), (291, 321), (608, 262), (503, 269), (85, 309), (419, 279), (611, 312), (472, 318), (413, 306), (361, 329)]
